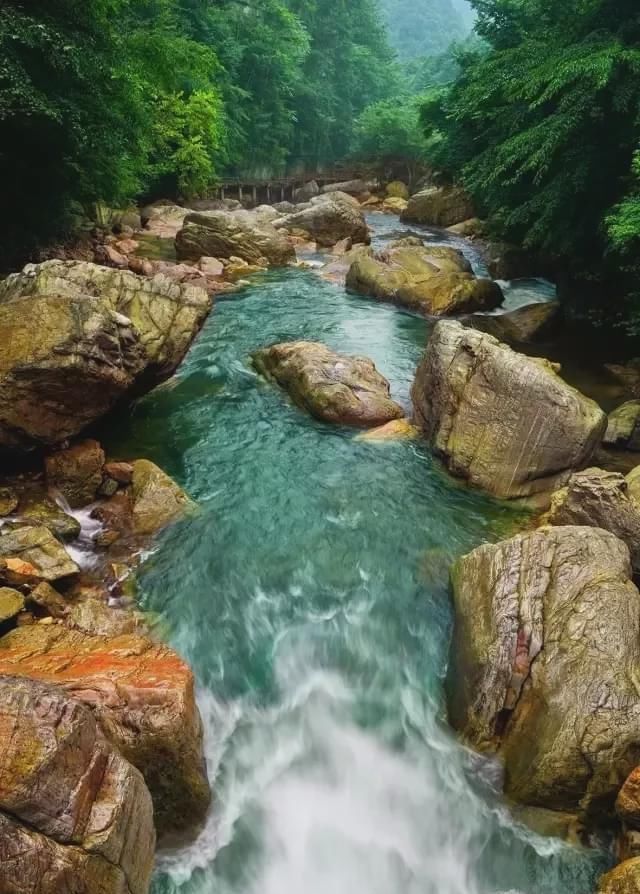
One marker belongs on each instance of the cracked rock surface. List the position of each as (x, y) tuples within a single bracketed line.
[(545, 661), (76, 337), (75, 816), (333, 387), (503, 421)]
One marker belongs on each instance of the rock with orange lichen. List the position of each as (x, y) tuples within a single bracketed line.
[(142, 695), (75, 816)]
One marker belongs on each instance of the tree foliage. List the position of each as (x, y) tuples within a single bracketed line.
[(544, 126)]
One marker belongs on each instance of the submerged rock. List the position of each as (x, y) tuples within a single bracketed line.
[(142, 695), (74, 815), (78, 337), (332, 387), (600, 499), (241, 234), (544, 658), (623, 429), (439, 207), (39, 550), (329, 219), (433, 280), (503, 421), (76, 472)]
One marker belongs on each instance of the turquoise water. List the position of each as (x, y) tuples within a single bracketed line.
[(310, 596)]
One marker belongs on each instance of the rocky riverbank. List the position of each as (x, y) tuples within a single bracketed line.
[(545, 644)]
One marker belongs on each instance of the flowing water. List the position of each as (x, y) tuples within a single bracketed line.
[(310, 596)]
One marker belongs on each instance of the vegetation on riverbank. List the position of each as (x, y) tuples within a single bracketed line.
[(542, 126)]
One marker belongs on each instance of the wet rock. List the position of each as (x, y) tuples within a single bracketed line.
[(108, 487), (38, 549), (601, 499), (11, 604), (79, 337), (337, 268), (120, 471), (95, 617), (633, 483), (439, 207), (394, 205), (76, 472), (332, 387), (433, 280), (623, 429), (628, 800), (74, 815), (223, 234), (543, 670), (8, 501), (37, 508), (503, 421), (350, 187), (211, 266), (46, 599), (164, 219), (397, 190), (156, 500), (397, 430), (142, 695), (628, 374), (331, 218), (520, 326), (508, 262), (623, 879), (470, 229), (309, 191)]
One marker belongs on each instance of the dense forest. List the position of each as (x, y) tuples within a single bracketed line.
[(542, 125), (537, 114)]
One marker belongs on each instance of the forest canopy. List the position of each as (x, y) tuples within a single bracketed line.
[(542, 126)]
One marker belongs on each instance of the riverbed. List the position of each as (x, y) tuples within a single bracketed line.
[(310, 595)]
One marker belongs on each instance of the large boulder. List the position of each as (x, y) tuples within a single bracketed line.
[(225, 234), (142, 695), (623, 429), (544, 665), (439, 206), (75, 816), (508, 262), (505, 422), (433, 280), (397, 190), (332, 387), (164, 219), (601, 499), (330, 218), (78, 336)]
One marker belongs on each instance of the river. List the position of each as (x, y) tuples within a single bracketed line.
[(310, 595)]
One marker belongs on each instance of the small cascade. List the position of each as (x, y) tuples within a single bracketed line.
[(82, 550)]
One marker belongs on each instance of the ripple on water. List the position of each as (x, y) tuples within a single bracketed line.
[(311, 597)]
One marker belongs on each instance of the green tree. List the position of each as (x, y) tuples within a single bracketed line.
[(542, 128)]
